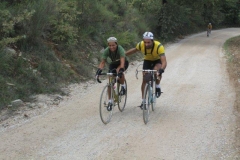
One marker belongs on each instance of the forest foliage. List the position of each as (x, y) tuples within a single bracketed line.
[(57, 42)]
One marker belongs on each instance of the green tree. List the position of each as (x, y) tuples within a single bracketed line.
[(231, 10), (10, 22)]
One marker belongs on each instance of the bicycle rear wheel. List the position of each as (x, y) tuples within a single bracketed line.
[(104, 99), (146, 104), (122, 96)]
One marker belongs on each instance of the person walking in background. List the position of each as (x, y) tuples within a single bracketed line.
[(154, 58)]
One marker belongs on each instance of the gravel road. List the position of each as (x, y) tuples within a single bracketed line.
[(194, 117)]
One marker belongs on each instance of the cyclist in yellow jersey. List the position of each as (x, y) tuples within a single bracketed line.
[(209, 27), (154, 58)]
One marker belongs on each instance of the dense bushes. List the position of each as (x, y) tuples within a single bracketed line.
[(58, 41)]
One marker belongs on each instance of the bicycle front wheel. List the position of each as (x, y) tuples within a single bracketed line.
[(153, 101), (147, 103), (105, 114), (153, 97), (122, 95)]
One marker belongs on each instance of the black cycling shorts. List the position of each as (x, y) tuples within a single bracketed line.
[(114, 66), (150, 64)]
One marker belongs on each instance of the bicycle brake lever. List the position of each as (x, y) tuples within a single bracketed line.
[(136, 73)]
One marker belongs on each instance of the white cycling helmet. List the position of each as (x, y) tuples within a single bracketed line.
[(112, 39), (148, 35), (210, 23)]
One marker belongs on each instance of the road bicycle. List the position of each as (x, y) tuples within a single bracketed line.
[(149, 96), (111, 96), (208, 32)]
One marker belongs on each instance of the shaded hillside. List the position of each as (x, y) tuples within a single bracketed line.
[(46, 44)]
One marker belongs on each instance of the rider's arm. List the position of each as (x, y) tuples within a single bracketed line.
[(122, 62), (131, 51), (102, 64), (164, 61)]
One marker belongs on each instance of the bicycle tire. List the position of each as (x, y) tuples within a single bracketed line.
[(146, 104), (153, 98), (122, 99), (153, 101), (105, 115)]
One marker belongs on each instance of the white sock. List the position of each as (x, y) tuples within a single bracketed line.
[(157, 85), (110, 100), (123, 85)]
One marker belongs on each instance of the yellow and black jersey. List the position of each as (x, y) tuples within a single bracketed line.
[(153, 53), (209, 26)]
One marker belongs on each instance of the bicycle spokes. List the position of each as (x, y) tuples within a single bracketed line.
[(122, 95), (104, 108)]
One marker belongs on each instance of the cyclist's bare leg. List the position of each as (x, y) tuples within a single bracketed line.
[(157, 67), (143, 86), (122, 79), (109, 92)]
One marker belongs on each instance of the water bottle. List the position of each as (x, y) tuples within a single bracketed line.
[(115, 90)]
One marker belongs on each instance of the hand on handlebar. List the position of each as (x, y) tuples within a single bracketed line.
[(120, 72), (160, 71)]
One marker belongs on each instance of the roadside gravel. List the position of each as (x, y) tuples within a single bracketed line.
[(194, 117)]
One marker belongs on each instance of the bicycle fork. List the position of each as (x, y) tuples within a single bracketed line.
[(152, 98), (148, 99), (150, 94)]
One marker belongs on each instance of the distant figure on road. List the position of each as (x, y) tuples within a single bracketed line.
[(209, 28)]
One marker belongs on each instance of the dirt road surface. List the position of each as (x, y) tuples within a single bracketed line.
[(194, 118)]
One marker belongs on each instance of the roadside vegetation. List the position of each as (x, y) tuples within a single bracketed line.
[(232, 50), (47, 44)]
